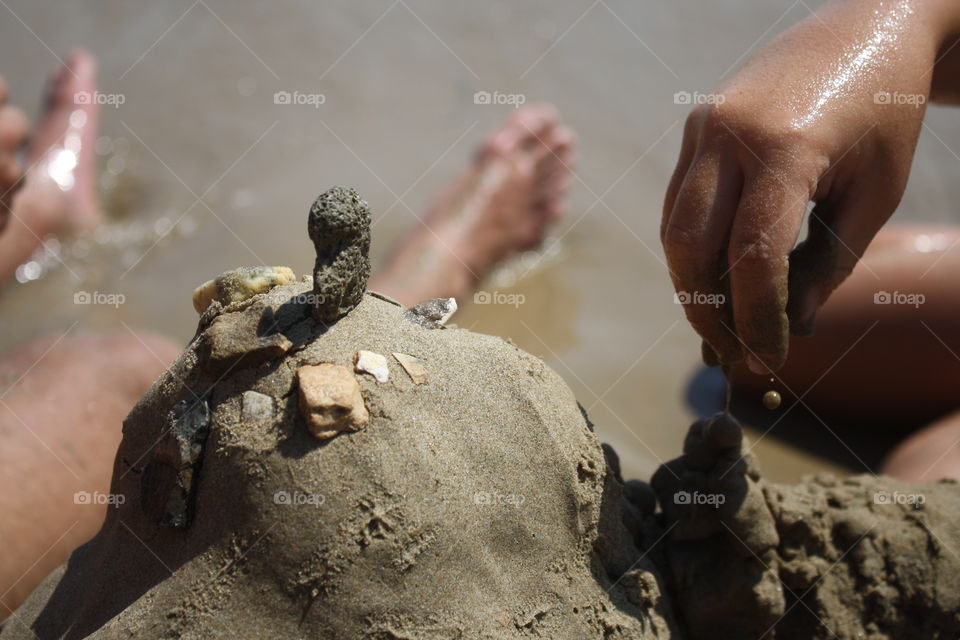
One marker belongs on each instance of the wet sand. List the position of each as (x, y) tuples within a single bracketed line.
[(399, 119)]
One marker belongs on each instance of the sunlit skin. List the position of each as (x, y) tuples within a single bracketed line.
[(829, 112)]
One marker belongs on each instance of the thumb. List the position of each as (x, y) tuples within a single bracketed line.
[(835, 242)]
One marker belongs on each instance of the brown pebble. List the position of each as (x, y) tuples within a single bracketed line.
[(330, 400), (771, 400)]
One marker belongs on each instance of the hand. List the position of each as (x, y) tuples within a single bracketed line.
[(829, 111), (13, 132)]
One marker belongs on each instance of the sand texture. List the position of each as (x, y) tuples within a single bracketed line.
[(468, 507), (278, 483)]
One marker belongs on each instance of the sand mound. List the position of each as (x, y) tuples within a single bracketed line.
[(322, 463)]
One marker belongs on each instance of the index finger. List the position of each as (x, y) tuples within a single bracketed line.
[(693, 242), (765, 230)]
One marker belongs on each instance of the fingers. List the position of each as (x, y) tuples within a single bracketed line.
[(837, 237), (688, 150), (694, 241), (765, 230)]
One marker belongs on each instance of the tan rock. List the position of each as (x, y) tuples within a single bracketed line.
[(330, 400)]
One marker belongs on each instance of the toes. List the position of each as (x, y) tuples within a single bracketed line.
[(522, 131), (537, 124), (14, 126), (69, 91), (556, 174)]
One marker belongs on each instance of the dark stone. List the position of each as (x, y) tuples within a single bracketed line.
[(339, 226), (169, 482)]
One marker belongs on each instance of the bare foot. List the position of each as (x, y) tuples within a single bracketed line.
[(57, 194), (502, 205)]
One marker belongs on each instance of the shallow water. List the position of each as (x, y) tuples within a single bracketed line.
[(208, 173)]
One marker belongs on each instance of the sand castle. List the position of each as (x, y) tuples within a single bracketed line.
[(322, 463)]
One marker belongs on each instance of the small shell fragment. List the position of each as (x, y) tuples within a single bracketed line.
[(330, 400), (432, 313), (239, 284), (256, 407), (413, 366), (372, 363), (771, 400)]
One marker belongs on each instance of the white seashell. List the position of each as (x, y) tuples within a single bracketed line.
[(372, 363)]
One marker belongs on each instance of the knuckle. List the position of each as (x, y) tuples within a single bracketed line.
[(773, 136), (716, 120), (680, 241), (753, 250)]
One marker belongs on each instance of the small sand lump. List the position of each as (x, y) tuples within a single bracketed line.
[(372, 363), (239, 284), (330, 400), (413, 366), (771, 400)]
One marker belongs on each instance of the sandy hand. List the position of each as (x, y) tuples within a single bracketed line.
[(829, 111)]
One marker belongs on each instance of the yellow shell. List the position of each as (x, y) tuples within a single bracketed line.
[(240, 284)]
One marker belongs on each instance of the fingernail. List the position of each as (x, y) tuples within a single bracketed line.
[(756, 365)]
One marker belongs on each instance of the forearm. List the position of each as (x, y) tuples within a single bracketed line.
[(935, 32)]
